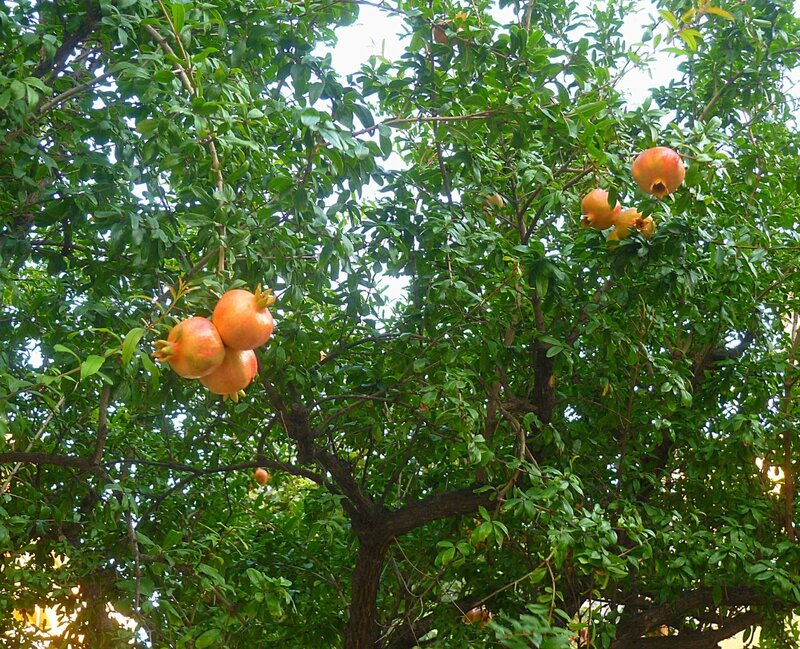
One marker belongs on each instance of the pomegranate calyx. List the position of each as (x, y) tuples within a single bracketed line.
[(659, 188), (264, 298), (164, 349)]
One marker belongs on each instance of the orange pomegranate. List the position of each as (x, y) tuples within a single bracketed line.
[(243, 319), (193, 348), (479, 614), (630, 221), (261, 476), (233, 375), (658, 171), (647, 227), (597, 213)]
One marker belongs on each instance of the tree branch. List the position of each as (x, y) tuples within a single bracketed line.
[(701, 639), (715, 98), (70, 42), (23, 457), (435, 119), (435, 507), (633, 626), (102, 425), (294, 419)]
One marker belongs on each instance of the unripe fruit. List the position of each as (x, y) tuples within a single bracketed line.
[(658, 171), (243, 319), (193, 348), (597, 213), (233, 375), (261, 476)]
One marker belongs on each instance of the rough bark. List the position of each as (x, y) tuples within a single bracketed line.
[(362, 630)]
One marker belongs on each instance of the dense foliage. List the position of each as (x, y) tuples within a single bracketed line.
[(470, 400)]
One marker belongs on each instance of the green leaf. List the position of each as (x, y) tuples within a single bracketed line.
[(256, 578), (212, 573), (38, 84), (178, 16), (720, 12), (690, 37), (552, 351), (208, 639), (147, 126), (129, 345), (17, 89), (309, 117), (58, 347), (670, 17), (163, 76), (91, 365)]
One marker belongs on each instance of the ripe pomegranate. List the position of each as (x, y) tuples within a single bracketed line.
[(233, 375), (261, 476), (597, 213), (479, 614), (496, 200), (243, 319), (193, 348), (647, 227), (658, 171), (629, 221)]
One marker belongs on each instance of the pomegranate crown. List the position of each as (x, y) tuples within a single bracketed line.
[(164, 349), (264, 298)]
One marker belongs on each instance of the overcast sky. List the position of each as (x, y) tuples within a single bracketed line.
[(377, 32)]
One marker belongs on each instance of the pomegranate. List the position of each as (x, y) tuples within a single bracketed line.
[(597, 213), (233, 375), (479, 614), (658, 171), (193, 348), (243, 319), (496, 200), (261, 476), (647, 227), (629, 221)]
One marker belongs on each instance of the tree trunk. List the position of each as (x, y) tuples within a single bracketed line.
[(362, 630)]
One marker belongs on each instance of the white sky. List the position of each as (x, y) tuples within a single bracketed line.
[(378, 32)]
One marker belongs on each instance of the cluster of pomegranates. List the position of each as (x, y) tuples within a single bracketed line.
[(658, 171), (219, 352)]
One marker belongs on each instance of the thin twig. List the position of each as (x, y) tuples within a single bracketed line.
[(400, 121), (216, 167)]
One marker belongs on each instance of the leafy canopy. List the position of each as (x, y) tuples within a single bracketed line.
[(469, 400)]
